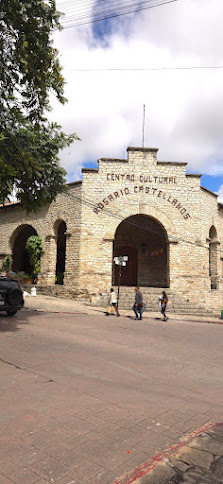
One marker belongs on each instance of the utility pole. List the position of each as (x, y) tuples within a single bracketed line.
[(120, 261)]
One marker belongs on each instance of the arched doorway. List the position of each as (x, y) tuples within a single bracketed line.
[(144, 240), (61, 252), (213, 257), (21, 262)]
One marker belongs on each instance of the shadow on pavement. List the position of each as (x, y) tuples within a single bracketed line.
[(13, 323)]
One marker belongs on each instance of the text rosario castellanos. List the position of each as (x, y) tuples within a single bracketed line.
[(147, 184)]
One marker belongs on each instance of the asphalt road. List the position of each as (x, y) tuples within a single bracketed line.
[(85, 398)]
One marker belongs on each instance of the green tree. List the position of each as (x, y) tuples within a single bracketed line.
[(29, 162), (30, 68), (34, 247), (7, 263), (29, 72)]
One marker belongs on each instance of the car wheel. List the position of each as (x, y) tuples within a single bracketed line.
[(11, 312), (14, 297)]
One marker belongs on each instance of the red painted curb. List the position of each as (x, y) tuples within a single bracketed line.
[(145, 468)]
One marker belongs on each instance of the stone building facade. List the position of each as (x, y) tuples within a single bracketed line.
[(169, 226)]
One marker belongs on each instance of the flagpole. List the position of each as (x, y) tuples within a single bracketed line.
[(143, 125)]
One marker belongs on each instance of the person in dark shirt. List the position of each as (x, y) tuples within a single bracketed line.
[(164, 301), (137, 307)]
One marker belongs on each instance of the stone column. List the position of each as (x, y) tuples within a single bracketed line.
[(215, 262), (102, 281), (69, 277), (108, 259), (172, 258), (48, 261), (95, 264)]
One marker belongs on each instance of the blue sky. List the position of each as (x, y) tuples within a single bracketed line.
[(213, 183)]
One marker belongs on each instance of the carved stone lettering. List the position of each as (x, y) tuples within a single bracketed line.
[(138, 189), (141, 178)]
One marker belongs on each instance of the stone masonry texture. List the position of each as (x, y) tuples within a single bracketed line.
[(137, 204)]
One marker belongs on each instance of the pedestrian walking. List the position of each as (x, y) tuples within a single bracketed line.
[(163, 303), (112, 303), (138, 304)]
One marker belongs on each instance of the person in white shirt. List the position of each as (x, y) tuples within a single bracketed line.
[(113, 301)]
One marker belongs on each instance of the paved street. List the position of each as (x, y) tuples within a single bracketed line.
[(86, 399)]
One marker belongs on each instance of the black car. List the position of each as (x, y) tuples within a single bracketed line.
[(11, 296)]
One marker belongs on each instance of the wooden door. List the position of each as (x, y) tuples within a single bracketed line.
[(130, 271)]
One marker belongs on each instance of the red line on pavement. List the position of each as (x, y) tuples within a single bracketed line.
[(62, 312), (145, 468), (53, 312)]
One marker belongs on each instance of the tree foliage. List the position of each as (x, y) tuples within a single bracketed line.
[(34, 247), (29, 72), (7, 263), (30, 67), (29, 162)]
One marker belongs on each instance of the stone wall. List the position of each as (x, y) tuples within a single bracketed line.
[(179, 216), (67, 208), (162, 191)]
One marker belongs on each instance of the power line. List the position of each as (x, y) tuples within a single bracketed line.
[(138, 69), (110, 4), (93, 205), (106, 7), (87, 19), (111, 7), (138, 5)]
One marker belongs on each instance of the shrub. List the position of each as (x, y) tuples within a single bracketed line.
[(7, 264), (34, 247)]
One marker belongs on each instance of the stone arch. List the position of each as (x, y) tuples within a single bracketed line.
[(60, 228), (144, 239), (20, 256), (144, 209), (57, 224), (213, 234), (213, 257)]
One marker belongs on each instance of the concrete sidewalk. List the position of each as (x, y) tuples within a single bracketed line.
[(66, 305), (197, 460)]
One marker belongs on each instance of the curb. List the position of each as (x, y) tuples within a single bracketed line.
[(151, 464), (220, 321)]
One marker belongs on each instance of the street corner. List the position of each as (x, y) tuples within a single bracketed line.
[(197, 458)]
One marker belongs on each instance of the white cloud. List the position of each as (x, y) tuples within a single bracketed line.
[(183, 108), (220, 194)]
